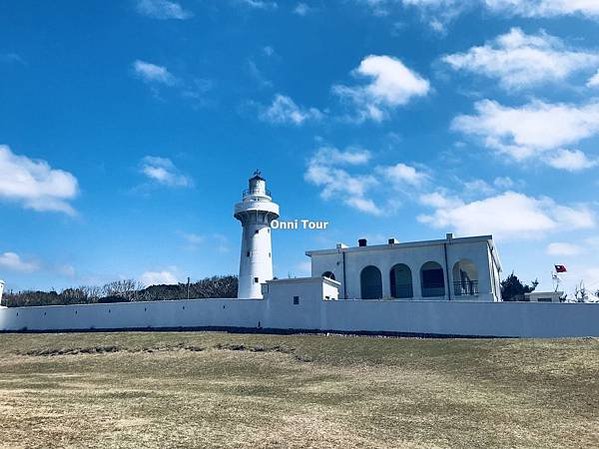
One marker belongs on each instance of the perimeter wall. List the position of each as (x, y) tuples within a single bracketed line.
[(443, 318)]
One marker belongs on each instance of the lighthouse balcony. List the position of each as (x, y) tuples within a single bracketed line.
[(256, 205)]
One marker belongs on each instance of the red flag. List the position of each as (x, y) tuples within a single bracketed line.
[(560, 269)]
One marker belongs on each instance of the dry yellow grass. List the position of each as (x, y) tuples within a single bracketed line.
[(161, 390)]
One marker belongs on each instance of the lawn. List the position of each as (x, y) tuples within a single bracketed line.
[(189, 389)]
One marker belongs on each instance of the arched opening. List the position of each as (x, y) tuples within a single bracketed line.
[(371, 283), (432, 280), (400, 278), (465, 278), (328, 274)]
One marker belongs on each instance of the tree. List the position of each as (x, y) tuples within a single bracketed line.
[(581, 294), (127, 290), (512, 289)]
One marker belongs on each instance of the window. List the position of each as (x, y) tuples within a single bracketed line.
[(401, 281), (465, 278), (248, 254), (257, 230), (256, 280), (432, 280), (295, 300), (544, 300), (328, 274), (371, 283)]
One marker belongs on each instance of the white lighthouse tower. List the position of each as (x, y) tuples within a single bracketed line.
[(255, 212)]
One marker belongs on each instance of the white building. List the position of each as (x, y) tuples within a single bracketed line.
[(452, 269), (255, 212), (544, 296)]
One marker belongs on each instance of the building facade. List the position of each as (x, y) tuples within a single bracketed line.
[(450, 269)]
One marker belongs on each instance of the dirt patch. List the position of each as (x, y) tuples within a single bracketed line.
[(260, 348), (107, 349), (104, 349), (51, 352)]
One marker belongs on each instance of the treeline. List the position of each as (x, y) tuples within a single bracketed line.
[(125, 291)]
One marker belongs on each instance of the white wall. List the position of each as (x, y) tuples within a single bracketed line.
[(154, 314), (425, 317), (484, 319)]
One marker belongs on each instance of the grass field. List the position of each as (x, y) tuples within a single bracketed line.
[(163, 390)]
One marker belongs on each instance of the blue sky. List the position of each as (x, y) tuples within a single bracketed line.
[(128, 131)]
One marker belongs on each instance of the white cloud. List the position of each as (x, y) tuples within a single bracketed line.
[(325, 170), (260, 4), (545, 8), (533, 130), (152, 73), (594, 80), (268, 51), (391, 84), (401, 174), (440, 12), (570, 160), (12, 261), (34, 184), (66, 270), (157, 278), (444, 8), (333, 171), (257, 74), (563, 249), (333, 156), (508, 215), (440, 200), (520, 60), (504, 182), (193, 239), (162, 9), (478, 187), (163, 171), (432, 3), (301, 9), (523, 8), (10, 58), (283, 110)]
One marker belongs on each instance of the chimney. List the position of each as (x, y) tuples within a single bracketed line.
[(362, 242), (393, 241)]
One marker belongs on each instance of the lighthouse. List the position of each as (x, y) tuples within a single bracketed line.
[(255, 212)]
